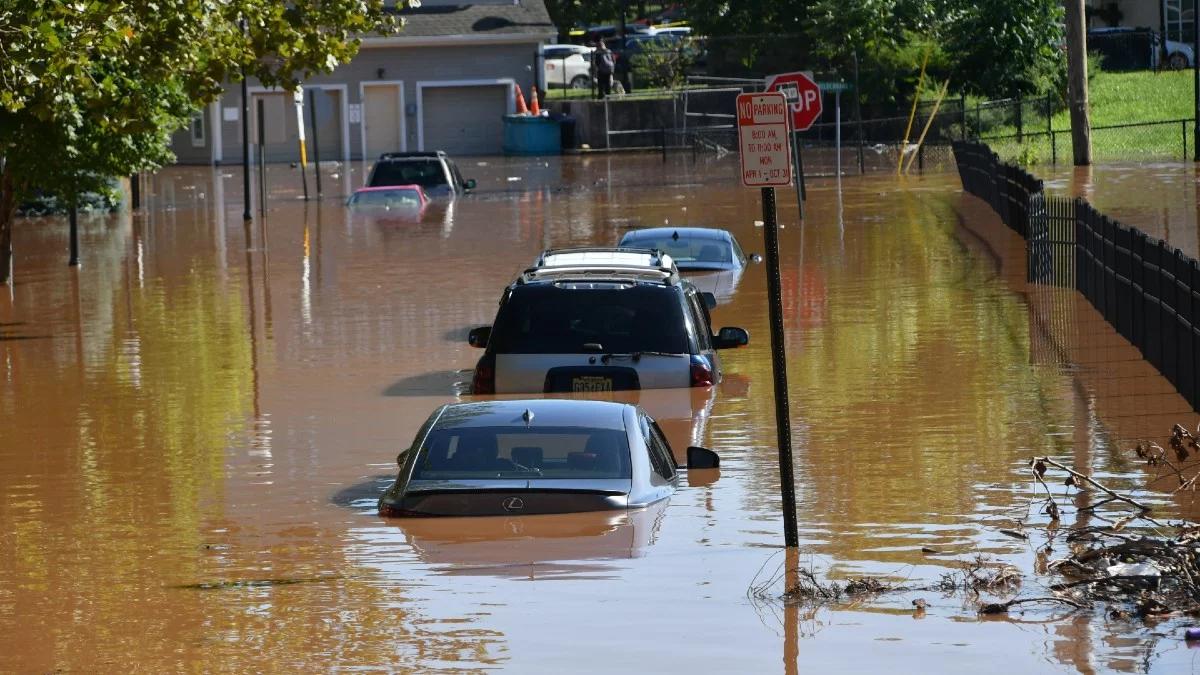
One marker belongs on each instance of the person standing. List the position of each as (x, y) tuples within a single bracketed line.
[(603, 62)]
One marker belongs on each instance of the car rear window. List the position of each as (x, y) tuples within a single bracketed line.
[(685, 250), (563, 317), (427, 173), (550, 453)]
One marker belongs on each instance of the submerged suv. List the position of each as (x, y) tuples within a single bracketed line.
[(597, 320), (435, 172)]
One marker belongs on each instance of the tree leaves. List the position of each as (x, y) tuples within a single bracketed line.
[(95, 89)]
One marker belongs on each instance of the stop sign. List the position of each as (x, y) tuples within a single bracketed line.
[(803, 96)]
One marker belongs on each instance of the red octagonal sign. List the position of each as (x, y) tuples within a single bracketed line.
[(803, 96)]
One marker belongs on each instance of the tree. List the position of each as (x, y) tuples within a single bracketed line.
[(93, 90), (995, 48), (1003, 48)]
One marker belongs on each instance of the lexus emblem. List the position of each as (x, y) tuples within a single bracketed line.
[(513, 504)]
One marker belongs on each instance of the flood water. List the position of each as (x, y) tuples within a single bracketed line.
[(1161, 199), (195, 426)]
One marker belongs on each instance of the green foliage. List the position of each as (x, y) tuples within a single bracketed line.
[(995, 48), (1004, 48), (92, 89), (665, 66), (569, 13)]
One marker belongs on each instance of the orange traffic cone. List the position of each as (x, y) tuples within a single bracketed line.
[(521, 109), (534, 108)]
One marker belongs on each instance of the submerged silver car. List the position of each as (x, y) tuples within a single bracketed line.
[(536, 456)]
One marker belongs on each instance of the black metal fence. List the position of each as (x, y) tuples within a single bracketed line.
[(1149, 292), (1006, 187)]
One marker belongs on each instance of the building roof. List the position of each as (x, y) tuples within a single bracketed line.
[(441, 18)]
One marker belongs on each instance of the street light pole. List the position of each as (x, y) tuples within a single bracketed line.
[(246, 215)]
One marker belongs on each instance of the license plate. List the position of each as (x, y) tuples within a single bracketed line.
[(591, 383)]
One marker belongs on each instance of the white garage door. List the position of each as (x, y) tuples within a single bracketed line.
[(464, 120)]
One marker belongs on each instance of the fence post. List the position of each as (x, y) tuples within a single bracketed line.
[(1183, 129), (1020, 120), (962, 104)]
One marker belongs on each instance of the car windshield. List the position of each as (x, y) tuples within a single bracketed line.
[(609, 317), (550, 453), (685, 250), (427, 173), (386, 199)]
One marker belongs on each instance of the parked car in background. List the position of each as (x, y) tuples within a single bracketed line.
[(1127, 48), (598, 327), (435, 172), (537, 456), (1179, 55), (409, 197), (567, 66)]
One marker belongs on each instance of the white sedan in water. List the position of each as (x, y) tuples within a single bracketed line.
[(536, 456)]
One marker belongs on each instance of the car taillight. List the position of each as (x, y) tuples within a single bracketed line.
[(702, 372), (484, 381)]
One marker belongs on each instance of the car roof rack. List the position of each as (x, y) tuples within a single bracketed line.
[(659, 266), (657, 259), (412, 155), (599, 273)]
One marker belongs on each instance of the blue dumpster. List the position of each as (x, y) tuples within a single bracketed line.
[(531, 135)]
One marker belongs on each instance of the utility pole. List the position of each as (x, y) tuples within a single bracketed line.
[(1196, 82), (1077, 86)]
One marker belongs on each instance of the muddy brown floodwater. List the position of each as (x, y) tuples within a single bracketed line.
[(195, 426)]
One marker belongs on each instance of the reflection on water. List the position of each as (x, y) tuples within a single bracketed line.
[(194, 427), (532, 547)]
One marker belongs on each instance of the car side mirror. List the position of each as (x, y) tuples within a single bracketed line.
[(702, 458), (710, 300), (755, 258), (479, 337), (469, 184), (731, 337), (400, 457)]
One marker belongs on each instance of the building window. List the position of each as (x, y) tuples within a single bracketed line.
[(197, 130)]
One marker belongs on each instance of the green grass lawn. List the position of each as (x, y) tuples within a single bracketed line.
[(1115, 99)]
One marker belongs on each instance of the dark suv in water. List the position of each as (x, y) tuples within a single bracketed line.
[(601, 327), (433, 171)]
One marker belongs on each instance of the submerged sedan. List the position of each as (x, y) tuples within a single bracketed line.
[(693, 248), (536, 456)]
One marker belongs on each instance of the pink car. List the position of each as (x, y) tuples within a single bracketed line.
[(406, 197)]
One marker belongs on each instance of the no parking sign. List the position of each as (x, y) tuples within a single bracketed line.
[(763, 140)]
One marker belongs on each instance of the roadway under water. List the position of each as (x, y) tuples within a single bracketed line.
[(195, 425)]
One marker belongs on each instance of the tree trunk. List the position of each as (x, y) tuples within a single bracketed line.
[(8, 207), (1077, 84)]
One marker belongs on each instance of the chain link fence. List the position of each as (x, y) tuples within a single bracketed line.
[(694, 83)]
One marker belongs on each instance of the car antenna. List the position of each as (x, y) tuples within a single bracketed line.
[(527, 416), (675, 235)]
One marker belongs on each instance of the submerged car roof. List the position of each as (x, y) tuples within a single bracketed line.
[(543, 413), (684, 233)]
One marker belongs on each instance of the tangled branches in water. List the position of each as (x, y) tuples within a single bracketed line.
[(1150, 572)]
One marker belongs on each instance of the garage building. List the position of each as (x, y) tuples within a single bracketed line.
[(443, 83)]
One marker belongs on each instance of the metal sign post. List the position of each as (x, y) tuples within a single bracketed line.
[(298, 97), (312, 113), (763, 143)]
